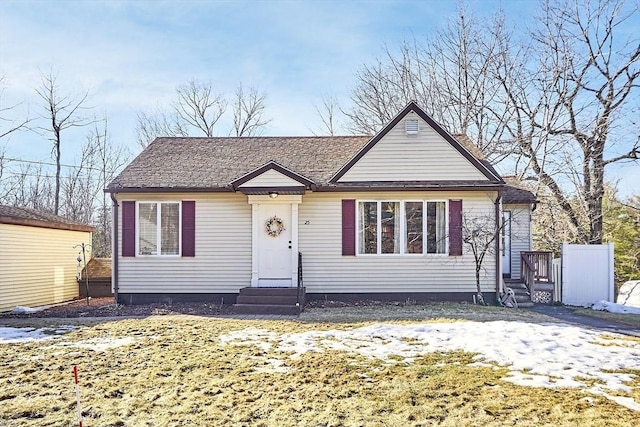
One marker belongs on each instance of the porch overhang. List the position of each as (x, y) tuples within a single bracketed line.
[(263, 191)]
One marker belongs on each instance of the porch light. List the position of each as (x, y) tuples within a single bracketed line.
[(273, 195)]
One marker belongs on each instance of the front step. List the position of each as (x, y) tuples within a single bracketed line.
[(270, 301)]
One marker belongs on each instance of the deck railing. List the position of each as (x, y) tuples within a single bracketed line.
[(536, 267)]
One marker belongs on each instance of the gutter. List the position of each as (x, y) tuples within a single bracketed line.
[(114, 249), (497, 242)]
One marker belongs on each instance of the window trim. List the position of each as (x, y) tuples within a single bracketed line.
[(159, 230), (403, 228)]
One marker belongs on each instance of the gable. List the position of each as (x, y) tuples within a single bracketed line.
[(271, 178), (425, 156)]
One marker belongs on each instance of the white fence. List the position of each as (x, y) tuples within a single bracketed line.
[(586, 274)]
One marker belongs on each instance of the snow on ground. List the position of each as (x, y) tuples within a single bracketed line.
[(537, 355), (19, 309), (612, 307), (20, 335), (10, 335)]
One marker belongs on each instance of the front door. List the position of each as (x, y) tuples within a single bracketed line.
[(274, 243), (506, 244)]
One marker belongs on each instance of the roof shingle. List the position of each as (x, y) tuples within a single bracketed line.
[(208, 163), (36, 218)]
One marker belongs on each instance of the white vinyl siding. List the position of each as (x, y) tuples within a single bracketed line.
[(271, 178), (520, 235), (222, 246), (223, 251), (327, 271), (426, 156), (38, 266)]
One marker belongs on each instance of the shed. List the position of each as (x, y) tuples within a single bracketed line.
[(37, 257), (99, 278)]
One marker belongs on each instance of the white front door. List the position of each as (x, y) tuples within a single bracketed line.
[(506, 243), (274, 250)]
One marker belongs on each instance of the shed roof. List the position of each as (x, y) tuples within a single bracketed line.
[(515, 192), (35, 218), (99, 268)]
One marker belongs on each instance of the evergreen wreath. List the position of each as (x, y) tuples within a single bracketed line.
[(274, 226)]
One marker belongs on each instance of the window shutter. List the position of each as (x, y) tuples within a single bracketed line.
[(128, 228), (348, 227), (455, 227), (188, 228)]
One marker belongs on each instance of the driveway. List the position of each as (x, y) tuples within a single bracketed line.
[(568, 315)]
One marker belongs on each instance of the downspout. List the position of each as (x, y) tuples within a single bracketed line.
[(497, 242), (114, 249)]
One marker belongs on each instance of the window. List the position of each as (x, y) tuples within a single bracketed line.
[(410, 227), (159, 228), (368, 228)]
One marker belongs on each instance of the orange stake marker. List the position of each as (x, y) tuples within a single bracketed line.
[(75, 376)]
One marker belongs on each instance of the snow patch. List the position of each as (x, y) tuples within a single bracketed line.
[(612, 307), (10, 335), (19, 309)]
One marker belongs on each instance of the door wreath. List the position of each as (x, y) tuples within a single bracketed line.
[(274, 226)]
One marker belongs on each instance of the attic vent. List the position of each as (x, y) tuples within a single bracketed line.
[(411, 126)]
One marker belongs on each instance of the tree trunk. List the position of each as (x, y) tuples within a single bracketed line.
[(57, 191)]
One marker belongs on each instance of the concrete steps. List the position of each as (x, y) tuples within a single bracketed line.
[(283, 301)]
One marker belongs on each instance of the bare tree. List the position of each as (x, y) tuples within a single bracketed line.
[(63, 112), (328, 112), (479, 234), (449, 75), (572, 100), (10, 125), (199, 107), (248, 112), (557, 104), (157, 123), (28, 186)]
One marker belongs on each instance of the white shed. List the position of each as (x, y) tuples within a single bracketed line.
[(38, 263)]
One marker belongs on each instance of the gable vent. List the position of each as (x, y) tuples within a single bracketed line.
[(411, 126)]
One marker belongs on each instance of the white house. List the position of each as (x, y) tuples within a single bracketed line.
[(351, 216)]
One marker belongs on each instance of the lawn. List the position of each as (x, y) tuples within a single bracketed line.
[(404, 366)]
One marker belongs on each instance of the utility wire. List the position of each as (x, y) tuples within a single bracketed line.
[(35, 162)]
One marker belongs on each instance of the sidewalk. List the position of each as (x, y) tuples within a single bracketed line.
[(566, 314)]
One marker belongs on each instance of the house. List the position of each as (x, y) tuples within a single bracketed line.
[(38, 264), (347, 216)]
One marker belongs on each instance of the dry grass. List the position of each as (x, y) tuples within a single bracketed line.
[(177, 373), (626, 319)]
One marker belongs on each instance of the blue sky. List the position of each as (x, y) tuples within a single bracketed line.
[(131, 55)]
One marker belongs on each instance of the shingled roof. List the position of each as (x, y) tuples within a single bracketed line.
[(515, 192), (213, 163), (31, 217)]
